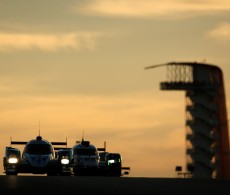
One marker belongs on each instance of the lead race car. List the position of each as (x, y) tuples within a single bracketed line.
[(38, 157)]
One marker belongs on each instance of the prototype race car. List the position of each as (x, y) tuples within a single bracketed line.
[(88, 160), (64, 158), (112, 165), (38, 157)]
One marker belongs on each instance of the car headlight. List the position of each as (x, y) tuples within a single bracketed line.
[(64, 161), (12, 160), (111, 161)]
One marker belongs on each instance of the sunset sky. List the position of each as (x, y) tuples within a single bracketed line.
[(78, 66)]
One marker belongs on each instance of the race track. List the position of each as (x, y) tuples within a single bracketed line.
[(74, 185)]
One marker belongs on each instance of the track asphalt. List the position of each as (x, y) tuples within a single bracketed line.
[(75, 185)]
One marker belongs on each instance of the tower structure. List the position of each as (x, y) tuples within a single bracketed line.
[(207, 136)]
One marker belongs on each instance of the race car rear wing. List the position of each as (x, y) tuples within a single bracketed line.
[(102, 149), (59, 144), (39, 138), (23, 143), (17, 143), (125, 168)]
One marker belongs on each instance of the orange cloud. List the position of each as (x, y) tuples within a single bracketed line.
[(220, 33), (49, 42), (151, 9)]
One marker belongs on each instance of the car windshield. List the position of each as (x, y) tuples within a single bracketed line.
[(85, 152), (13, 152), (114, 156), (38, 149)]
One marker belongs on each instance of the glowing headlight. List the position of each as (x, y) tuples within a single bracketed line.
[(111, 161), (12, 160), (64, 161)]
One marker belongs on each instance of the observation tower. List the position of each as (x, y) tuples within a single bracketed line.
[(206, 123)]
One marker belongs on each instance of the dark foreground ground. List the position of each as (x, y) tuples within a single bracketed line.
[(34, 185)]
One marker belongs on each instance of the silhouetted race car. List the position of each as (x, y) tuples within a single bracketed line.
[(89, 160), (38, 157)]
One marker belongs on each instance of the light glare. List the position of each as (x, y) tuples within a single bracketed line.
[(111, 161), (13, 160), (64, 161)]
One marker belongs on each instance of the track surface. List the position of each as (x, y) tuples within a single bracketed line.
[(64, 185)]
